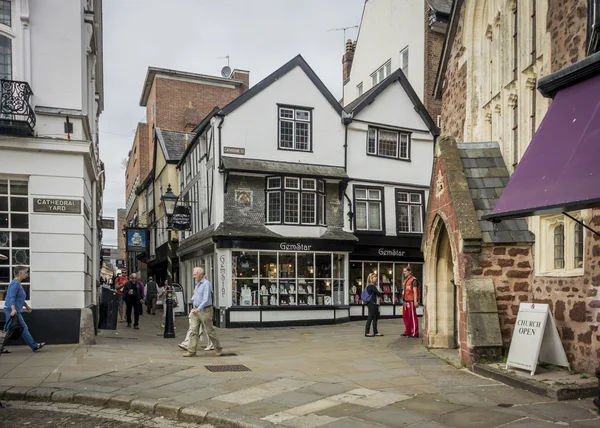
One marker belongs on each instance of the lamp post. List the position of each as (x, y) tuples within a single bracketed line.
[(169, 200)]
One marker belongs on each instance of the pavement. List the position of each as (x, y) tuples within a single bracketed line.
[(329, 376)]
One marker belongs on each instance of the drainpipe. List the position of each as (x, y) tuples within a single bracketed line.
[(95, 259), (220, 143)]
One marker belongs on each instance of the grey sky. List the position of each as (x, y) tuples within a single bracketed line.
[(190, 35)]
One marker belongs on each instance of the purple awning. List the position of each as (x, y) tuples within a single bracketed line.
[(560, 171)]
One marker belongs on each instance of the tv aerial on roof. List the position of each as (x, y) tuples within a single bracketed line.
[(226, 71)]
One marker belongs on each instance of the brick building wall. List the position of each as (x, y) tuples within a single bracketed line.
[(139, 163), (567, 24), (433, 52), (121, 219)]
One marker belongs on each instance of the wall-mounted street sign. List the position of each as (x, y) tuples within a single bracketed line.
[(535, 338), (137, 240), (62, 206), (234, 150), (181, 218), (108, 223)]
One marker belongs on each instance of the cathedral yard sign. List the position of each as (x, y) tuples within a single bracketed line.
[(62, 206)]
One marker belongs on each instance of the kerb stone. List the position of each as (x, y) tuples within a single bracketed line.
[(41, 394), (120, 402), (144, 405), (16, 393), (63, 397), (168, 410), (91, 398), (193, 414)]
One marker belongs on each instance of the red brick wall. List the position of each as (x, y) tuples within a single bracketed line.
[(179, 103), (141, 166), (566, 22), (433, 53)]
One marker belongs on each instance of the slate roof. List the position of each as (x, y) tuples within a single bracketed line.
[(267, 167), (173, 143), (443, 6), (487, 176)]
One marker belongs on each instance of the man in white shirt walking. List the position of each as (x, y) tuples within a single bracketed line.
[(201, 314)]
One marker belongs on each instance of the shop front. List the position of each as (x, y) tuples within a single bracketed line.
[(383, 258), (287, 282)]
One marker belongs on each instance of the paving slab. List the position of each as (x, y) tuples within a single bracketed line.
[(476, 418)]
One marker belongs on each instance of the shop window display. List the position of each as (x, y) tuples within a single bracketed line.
[(287, 278), (389, 280)]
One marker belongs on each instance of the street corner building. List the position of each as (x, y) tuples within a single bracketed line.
[(292, 203), (51, 176), (513, 212)]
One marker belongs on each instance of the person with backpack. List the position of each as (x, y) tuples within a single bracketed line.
[(370, 297), (151, 293), (13, 306)]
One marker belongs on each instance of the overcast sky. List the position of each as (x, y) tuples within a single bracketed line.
[(191, 35)]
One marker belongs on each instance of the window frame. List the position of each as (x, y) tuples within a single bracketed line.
[(319, 192), (402, 65), (295, 120), (421, 193), (359, 89), (368, 188), (10, 13), (387, 70), (400, 133)]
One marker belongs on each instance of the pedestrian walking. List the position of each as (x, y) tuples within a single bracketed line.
[(186, 342), (119, 283), (134, 296), (202, 314), (13, 306), (371, 295), (410, 297), (151, 293)]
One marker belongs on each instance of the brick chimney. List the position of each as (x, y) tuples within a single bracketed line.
[(242, 75), (347, 59)]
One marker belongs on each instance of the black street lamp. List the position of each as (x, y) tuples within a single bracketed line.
[(169, 200)]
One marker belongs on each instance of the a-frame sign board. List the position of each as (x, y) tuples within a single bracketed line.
[(535, 338)]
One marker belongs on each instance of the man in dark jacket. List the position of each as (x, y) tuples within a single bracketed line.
[(134, 295), (151, 293)]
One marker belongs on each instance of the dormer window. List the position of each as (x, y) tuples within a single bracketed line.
[(295, 128), (5, 12)]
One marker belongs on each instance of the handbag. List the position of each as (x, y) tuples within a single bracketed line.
[(14, 330)]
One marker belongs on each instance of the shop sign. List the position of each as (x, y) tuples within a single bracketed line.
[(391, 252), (535, 338), (295, 247), (181, 218), (120, 263), (107, 223), (137, 239), (234, 150), (63, 206)]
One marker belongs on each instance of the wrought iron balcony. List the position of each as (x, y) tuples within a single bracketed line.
[(16, 114)]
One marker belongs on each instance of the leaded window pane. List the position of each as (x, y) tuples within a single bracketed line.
[(403, 219), (559, 247), (5, 58), (274, 183), (5, 13), (361, 215), (416, 222), (371, 142), (285, 113), (578, 246), (308, 184), (274, 207), (415, 198), (321, 210), (292, 183), (404, 146), (302, 135), (291, 207), (302, 115), (286, 134), (388, 143), (308, 208), (374, 215), (374, 194), (361, 193)]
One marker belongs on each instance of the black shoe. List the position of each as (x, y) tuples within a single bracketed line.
[(129, 325), (39, 346), (405, 335), (136, 327)]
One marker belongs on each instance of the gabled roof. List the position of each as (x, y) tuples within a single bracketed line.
[(172, 144), (298, 61), (359, 104), (447, 48), (198, 131)]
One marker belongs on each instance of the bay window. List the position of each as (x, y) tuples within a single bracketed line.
[(294, 200)]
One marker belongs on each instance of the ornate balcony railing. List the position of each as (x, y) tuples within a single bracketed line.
[(16, 114)]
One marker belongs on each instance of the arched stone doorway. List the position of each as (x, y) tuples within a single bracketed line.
[(442, 304)]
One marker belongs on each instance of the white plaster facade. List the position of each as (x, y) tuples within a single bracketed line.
[(387, 28), (57, 51)]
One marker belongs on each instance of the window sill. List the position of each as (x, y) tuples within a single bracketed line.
[(369, 232), (389, 157), (293, 150), (562, 273)]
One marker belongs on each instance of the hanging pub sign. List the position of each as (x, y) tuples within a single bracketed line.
[(137, 240), (106, 252), (181, 218), (120, 263)]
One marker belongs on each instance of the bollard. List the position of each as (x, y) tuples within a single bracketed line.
[(169, 325)]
